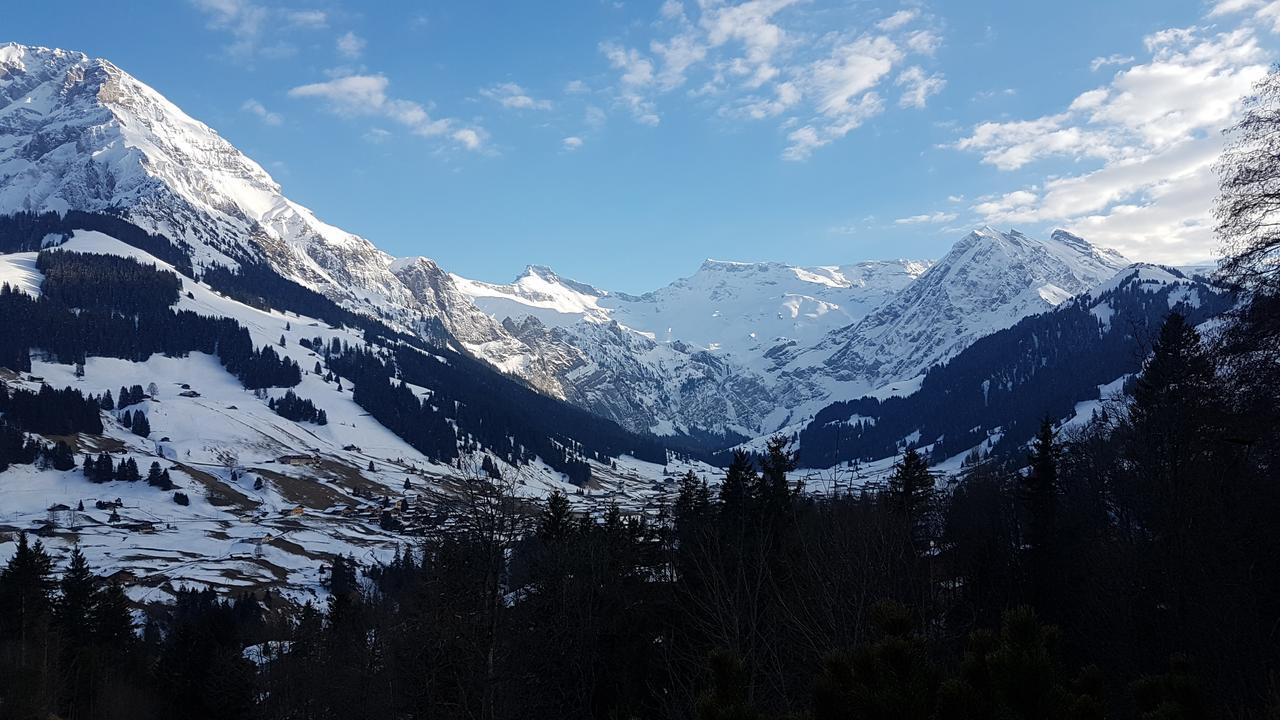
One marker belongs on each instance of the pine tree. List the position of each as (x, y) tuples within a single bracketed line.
[(141, 426), (735, 490), (1169, 423), (910, 490), (555, 523), (104, 470), (78, 595), (26, 591), (1040, 495), (112, 620), (693, 503), (773, 494)]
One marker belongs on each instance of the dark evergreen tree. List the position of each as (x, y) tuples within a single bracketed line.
[(1040, 493), (910, 488)]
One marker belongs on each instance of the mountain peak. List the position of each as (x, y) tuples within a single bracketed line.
[(543, 274), (712, 265), (988, 281)]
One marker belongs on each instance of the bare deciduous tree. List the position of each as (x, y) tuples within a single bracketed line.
[(1248, 205)]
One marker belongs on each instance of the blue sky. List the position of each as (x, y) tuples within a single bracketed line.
[(623, 142)]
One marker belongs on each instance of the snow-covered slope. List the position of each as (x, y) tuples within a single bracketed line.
[(1062, 363), (270, 499), (80, 133), (787, 340), (988, 281), (700, 353)]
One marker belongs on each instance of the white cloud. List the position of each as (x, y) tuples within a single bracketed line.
[(1227, 7), (1265, 12), (513, 97), (637, 70), (257, 30), (1117, 59), (571, 143), (809, 138), (253, 107), (925, 42), (898, 19), (763, 59), (1149, 139), (918, 86), (366, 96), (351, 45), (637, 76), (470, 138), (576, 87), (927, 219), (672, 9), (313, 19)]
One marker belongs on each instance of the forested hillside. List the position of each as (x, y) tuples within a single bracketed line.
[(996, 391)]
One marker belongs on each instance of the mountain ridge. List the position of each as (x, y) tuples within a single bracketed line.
[(80, 133)]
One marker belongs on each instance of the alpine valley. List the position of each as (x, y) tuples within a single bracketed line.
[(309, 395)]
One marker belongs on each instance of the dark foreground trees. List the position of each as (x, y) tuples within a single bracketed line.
[(1125, 569)]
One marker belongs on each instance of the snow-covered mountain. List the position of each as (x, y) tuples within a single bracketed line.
[(792, 339), (1063, 363), (699, 353), (988, 281), (80, 133), (736, 347)]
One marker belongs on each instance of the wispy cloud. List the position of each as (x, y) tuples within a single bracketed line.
[(350, 45), (761, 59), (1117, 59), (366, 96), (314, 19), (513, 97), (918, 86), (255, 28), (898, 19), (571, 143), (253, 107), (933, 218)]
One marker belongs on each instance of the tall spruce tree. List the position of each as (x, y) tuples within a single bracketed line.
[(1040, 499), (910, 488)]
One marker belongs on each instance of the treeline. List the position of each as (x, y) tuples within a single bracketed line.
[(49, 411), (101, 469), (291, 407), (31, 232), (127, 316), (1009, 380), (469, 403), (106, 283)]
